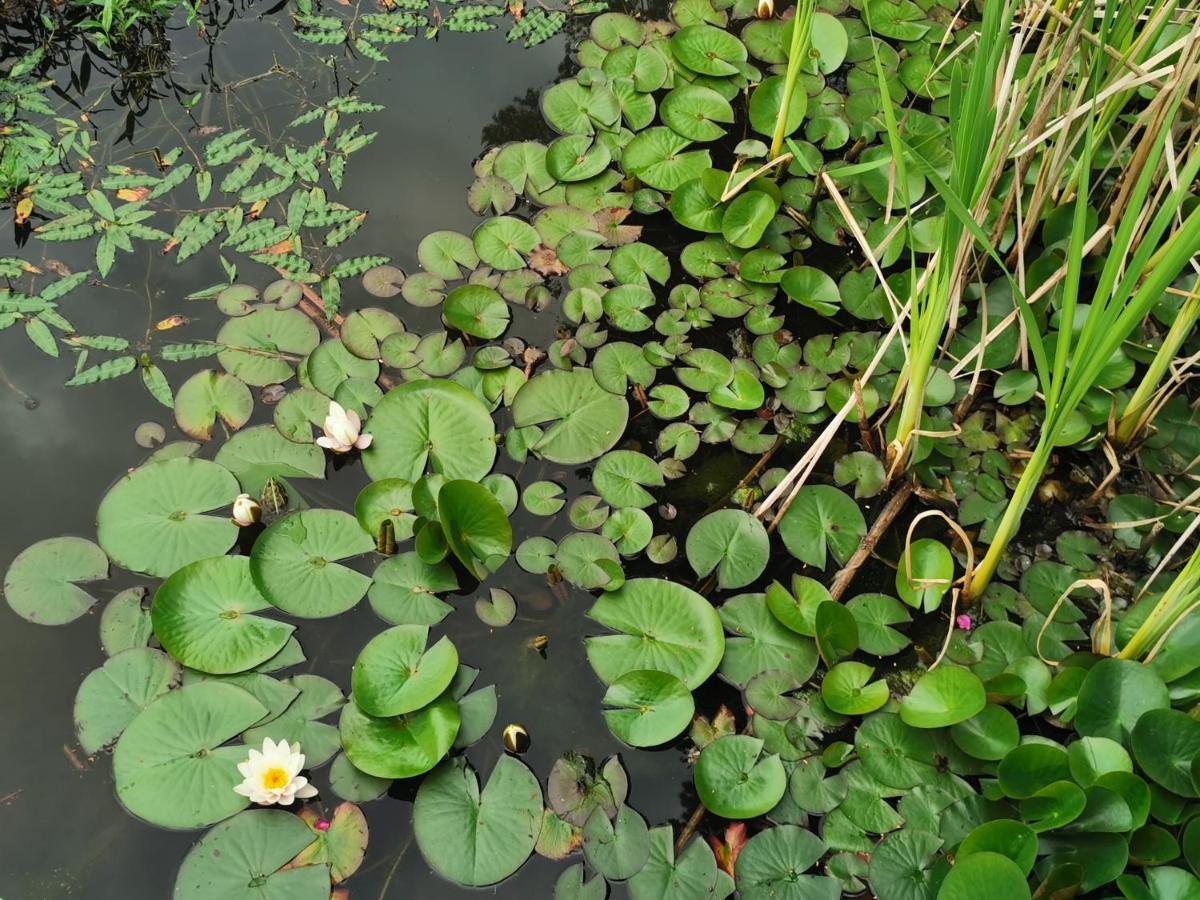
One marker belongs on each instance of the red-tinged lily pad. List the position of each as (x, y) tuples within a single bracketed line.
[(341, 841)]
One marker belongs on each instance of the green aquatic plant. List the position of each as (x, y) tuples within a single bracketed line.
[(801, 25)]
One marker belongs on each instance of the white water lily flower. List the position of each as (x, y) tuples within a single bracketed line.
[(273, 776), (246, 510), (766, 8), (342, 430)]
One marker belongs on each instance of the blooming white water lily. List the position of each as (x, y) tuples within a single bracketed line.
[(273, 775), (246, 510), (342, 430)]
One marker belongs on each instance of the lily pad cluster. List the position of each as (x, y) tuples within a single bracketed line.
[(710, 302)]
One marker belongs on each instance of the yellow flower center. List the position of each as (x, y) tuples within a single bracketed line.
[(274, 778)]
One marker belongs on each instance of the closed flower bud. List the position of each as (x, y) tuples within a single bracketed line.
[(766, 8), (246, 510)]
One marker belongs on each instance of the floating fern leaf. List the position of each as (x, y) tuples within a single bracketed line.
[(171, 180), (105, 371), (186, 352), (356, 265), (194, 232), (227, 147), (64, 286), (108, 342), (537, 26)]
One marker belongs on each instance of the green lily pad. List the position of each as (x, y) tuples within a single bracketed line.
[(664, 626), (394, 674), (170, 766), (244, 859), (708, 50), (437, 425), (353, 784), (984, 874), (340, 845), (476, 526), (1114, 697), (847, 689), (255, 347), (771, 863), (476, 310), (617, 850), (478, 837), (111, 696), (208, 396), (405, 588), (620, 477), (153, 521), (401, 746), (125, 622), (1166, 743), (580, 419), (943, 696), (42, 584), (732, 542), (648, 708), (735, 780), (822, 521), (294, 563), (389, 499), (203, 616)]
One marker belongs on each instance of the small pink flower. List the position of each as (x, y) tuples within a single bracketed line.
[(964, 622), (322, 825)]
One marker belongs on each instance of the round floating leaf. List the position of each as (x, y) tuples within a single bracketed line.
[(41, 585), (1007, 837), (648, 708), (497, 609), (932, 571), (299, 413), (989, 735), (664, 626), (836, 632), (1166, 743), (875, 614), (582, 559), (503, 242), (696, 112), (441, 253), (405, 590), (770, 866), (394, 674), (383, 281), (536, 555), (760, 642), (543, 498), (244, 859), (1028, 768), (340, 844), (203, 616), (571, 886), (619, 477), (387, 500), (476, 837), (984, 874), (736, 781), (208, 396), (765, 104), (476, 526), (708, 50), (152, 520), (439, 425), (260, 453), (580, 420), (256, 348), (403, 746), (300, 722), (477, 310), (732, 542), (351, 783), (822, 520), (657, 157), (847, 689), (294, 563), (943, 696), (616, 850), (1115, 695), (125, 622), (169, 766), (110, 696)]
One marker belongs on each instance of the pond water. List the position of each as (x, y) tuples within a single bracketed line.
[(65, 834)]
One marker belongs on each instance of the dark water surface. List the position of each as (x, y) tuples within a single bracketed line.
[(62, 831)]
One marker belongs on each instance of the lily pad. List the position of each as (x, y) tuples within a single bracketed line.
[(394, 674), (42, 584), (208, 396), (170, 766), (153, 521), (648, 708), (477, 310), (822, 520), (617, 850), (203, 616), (401, 746), (735, 780), (340, 845), (580, 420), (112, 695), (245, 859), (405, 588), (732, 542), (664, 626), (300, 722), (430, 424), (256, 348), (478, 837), (475, 525), (295, 563), (771, 863), (943, 696)]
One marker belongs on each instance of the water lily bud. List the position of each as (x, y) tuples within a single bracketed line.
[(516, 738), (246, 510), (766, 8)]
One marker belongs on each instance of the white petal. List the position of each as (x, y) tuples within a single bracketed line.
[(307, 791), (364, 441)]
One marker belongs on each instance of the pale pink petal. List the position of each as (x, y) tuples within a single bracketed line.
[(364, 441)]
